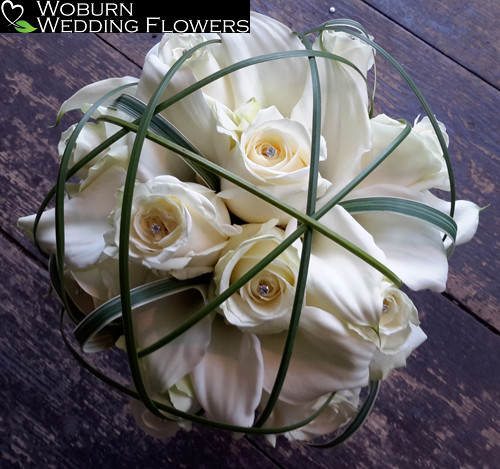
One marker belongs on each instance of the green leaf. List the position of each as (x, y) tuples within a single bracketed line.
[(164, 128), (24, 27), (92, 325), (410, 208)]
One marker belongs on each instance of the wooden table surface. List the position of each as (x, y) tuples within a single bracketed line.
[(441, 411)]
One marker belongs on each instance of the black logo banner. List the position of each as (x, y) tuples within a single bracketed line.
[(60, 16)]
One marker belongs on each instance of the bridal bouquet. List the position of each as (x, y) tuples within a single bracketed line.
[(239, 221)]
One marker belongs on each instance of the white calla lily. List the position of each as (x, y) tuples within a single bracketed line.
[(345, 121), (228, 381), (326, 357), (85, 219), (340, 282), (172, 362)]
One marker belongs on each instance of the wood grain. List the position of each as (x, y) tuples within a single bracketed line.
[(440, 411), (56, 414), (463, 31)]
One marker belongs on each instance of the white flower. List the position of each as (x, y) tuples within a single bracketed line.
[(278, 82), (274, 154), (417, 163), (175, 227), (342, 408), (345, 122), (383, 363), (86, 214), (394, 328), (264, 303), (413, 248), (341, 283)]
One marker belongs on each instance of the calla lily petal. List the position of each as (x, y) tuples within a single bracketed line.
[(89, 94), (85, 220), (167, 365), (353, 290), (413, 248), (228, 381), (326, 358), (278, 82)]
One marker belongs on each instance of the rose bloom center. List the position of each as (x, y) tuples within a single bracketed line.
[(274, 150), (155, 222)]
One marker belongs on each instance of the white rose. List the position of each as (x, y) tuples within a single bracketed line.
[(274, 154), (394, 328), (263, 304), (383, 363), (342, 408), (175, 227)]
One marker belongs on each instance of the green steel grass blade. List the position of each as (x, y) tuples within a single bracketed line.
[(162, 127), (416, 91), (60, 189), (124, 236), (410, 208), (111, 311), (311, 221), (253, 61), (300, 289), (350, 186), (168, 412)]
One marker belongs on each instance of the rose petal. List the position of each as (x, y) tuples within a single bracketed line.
[(417, 162), (228, 381), (383, 363), (342, 408)]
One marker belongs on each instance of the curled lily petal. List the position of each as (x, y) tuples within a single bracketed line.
[(228, 381), (167, 365), (85, 217), (326, 358)]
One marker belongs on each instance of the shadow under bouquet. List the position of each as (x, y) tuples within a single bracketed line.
[(239, 221)]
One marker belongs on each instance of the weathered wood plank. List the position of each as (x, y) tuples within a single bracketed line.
[(465, 32), (441, 411), (56, 414), (38, 73)]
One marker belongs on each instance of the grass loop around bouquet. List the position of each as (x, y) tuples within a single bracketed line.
[(300, 287), (125, 221), (149, 124), (353, 28), (60, 191)]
